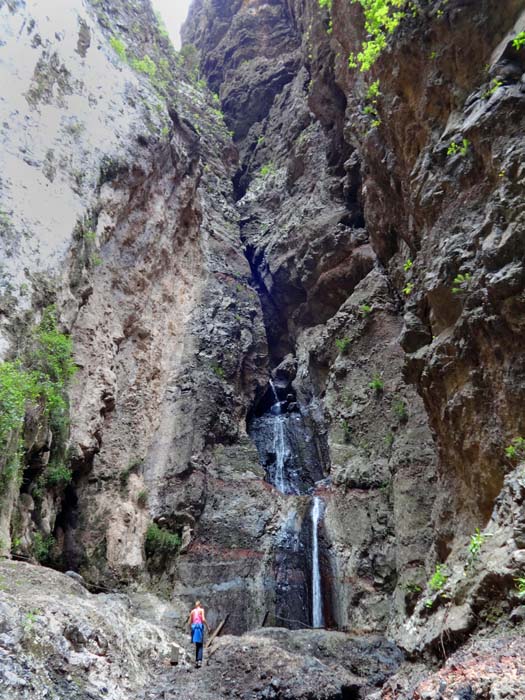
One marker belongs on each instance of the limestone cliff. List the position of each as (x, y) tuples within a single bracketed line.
[(288, 283)]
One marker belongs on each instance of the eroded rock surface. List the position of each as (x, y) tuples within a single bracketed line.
[(58, 640), (281, 664)]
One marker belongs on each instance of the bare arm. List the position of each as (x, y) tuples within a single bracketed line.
[(205, 621), (189, 620)]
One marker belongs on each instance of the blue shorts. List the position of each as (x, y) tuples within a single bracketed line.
[(197, 633)]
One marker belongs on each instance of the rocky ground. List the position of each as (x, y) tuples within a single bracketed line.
[(59, 641), (485, 669)]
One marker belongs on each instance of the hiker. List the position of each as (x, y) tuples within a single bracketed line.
[(197, 620)]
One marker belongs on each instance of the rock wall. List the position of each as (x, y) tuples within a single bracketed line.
[(357, 228), (359, 241)]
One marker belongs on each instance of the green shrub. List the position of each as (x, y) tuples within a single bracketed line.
[(43, 375), (461, 148), (51, 358), (372, 96), (461, 283), (519, 41), (437, 584), (58, 475), (119, 48), (377, 383), (42, 547), (18, 387), (382, 17), (267, 169), (400, 410), (476, 542), (407, 265), (494, 85), (159, 541), (408, 288), (516, 450), (142, 498), (438, 579), (144, 65), (343, 344), (365, 310)]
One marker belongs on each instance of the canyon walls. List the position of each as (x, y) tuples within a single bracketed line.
[(269, 260), (380, 212)]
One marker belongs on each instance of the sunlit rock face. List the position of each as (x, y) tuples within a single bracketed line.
[(68, 102)]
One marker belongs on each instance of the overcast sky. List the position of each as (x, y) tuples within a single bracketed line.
[(173, 13)]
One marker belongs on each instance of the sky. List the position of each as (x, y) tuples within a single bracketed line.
[(173, 13)]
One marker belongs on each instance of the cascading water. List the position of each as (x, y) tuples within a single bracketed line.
[(279, 445), (317, 598), (293, 466)]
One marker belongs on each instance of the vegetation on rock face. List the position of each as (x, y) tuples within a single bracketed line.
[(519, 41), (159, 541), (458, 148), (476, 542), (377, 383), (401, 411), (437, 582), (144, 65), (382, 17), (461, 283), (42, 547), (365, 310), (343, 344), (372, 95), (520, 586), (516, 450), (438, 579), (58, 475), (17, 387), (39, 379), (119, 48), (267, 169), (327, 5)]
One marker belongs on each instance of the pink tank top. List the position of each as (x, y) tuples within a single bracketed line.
[(196, 615)]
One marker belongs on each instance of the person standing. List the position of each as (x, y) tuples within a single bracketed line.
[(197, 621)]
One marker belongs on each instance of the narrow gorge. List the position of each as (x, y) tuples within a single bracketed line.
[(262, 319)]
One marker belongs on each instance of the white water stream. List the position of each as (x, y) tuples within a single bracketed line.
[(317, 601), (279, 444)]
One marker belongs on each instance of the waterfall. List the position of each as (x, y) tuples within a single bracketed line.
[(274, 392), (279, 445), (280, 453), (317, 600), (293, 465)]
